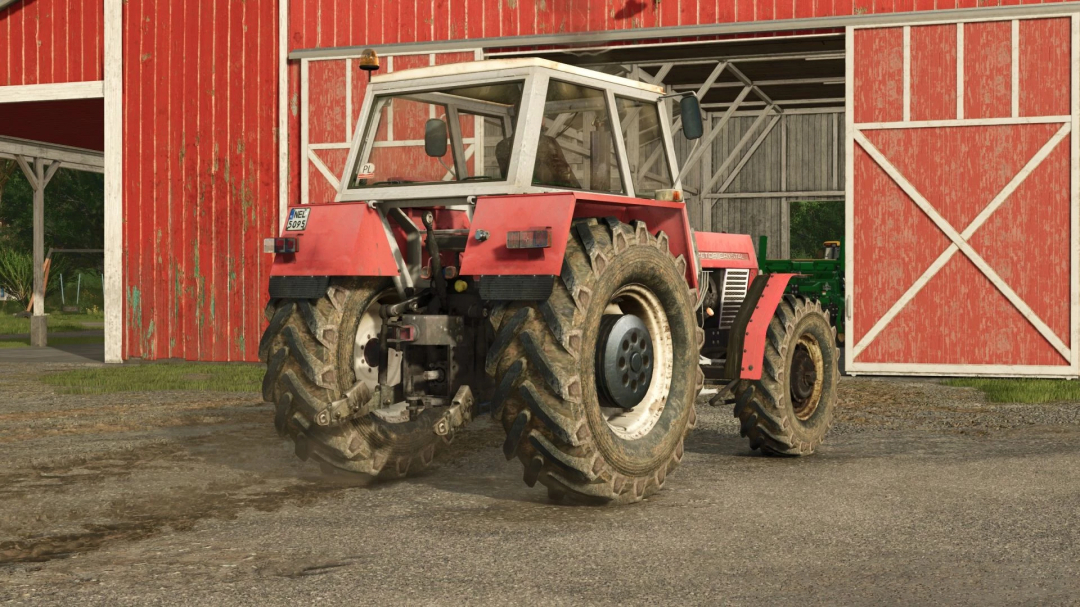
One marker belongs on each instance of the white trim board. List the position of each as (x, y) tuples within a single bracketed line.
[(94, 89), (944, 370), (114, 180), (849, 191), (283, 112), (1074, 324), (926, 124), (1019, 14)]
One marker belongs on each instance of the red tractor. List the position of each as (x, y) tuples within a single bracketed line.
[(509, 237)]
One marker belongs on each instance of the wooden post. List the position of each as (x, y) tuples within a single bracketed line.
[(38, 326)]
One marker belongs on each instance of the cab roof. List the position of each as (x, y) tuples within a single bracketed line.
[(492, 65)]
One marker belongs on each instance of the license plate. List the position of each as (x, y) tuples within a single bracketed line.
[(297, 220)]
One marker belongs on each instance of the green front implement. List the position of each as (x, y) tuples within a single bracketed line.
[(820, 279)]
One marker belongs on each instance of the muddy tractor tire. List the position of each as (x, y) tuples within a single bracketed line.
[(316, 360), (790, 409), (595, 386)]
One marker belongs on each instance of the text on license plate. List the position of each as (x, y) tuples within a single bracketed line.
[(297, 220)]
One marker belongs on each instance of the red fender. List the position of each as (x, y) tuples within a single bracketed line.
[(340, 239), (498, 215), (753, 353)]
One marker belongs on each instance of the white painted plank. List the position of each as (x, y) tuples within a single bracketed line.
[(1074, 56), (907, 73), (324, 170), (305, 95), (937, 370), (930, 124), (959, 71), (283, 113), (1015, 80), (114, 179), (849, 198), (94, 89)]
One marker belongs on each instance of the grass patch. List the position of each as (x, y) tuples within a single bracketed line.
[(159, 377), (1022, 390), (58, 323), (24, 342)]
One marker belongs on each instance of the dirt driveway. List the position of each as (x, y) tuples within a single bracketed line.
[(923, 494)]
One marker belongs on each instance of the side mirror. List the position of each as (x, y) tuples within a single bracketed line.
[(435, 135), (692, 126)]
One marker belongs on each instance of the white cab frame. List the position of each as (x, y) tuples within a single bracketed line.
[(536, 73)]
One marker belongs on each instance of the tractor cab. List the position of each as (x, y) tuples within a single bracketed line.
[(513, 126)]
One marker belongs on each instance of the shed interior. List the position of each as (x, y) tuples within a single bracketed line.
[(774, 122)]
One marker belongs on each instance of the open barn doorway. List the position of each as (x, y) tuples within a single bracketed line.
[(771, 162), (52, 271)]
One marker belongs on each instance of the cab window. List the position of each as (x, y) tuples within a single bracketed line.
[(576, 149), (645, 150)]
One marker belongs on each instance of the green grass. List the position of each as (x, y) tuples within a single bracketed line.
[(24, 342), (1022, 390), (159, 377), (58, 323)]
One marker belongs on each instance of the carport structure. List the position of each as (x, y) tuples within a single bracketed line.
[(953, 154), (39, 162), (60, 108)]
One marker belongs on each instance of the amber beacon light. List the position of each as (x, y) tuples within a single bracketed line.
[(369, 61)]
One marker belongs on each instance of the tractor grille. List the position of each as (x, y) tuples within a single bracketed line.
[(732, 294)]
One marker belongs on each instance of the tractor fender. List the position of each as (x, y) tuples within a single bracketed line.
[(486, 253), (339, 239), (746, 342)]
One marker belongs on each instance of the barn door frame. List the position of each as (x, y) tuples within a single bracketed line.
[(959, 239), (308, 157)]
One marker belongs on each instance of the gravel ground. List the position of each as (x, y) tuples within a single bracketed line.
[(923, 494)]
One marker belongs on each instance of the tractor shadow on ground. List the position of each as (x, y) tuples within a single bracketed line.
[(708, 441), (474, 464)]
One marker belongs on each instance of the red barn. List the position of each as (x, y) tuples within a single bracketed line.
[(947, 127)]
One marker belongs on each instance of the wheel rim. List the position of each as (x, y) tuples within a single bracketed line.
[(366, 354), (655, 354), (624, 360), (806, 377)]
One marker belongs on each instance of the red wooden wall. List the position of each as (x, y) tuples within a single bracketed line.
[(959, 318), (200, 176), (330, 23), (51, 41), (338, 23)]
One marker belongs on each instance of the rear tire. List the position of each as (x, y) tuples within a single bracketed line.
[(309, 351), (790, 409), (543, 361)]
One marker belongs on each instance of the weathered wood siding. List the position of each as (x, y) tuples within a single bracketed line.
[(813, 164), (338, 23), (51, 41), (200, 176), (1000, 176)]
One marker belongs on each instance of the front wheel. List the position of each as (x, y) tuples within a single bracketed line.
[(596, 385), (790, 409)]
